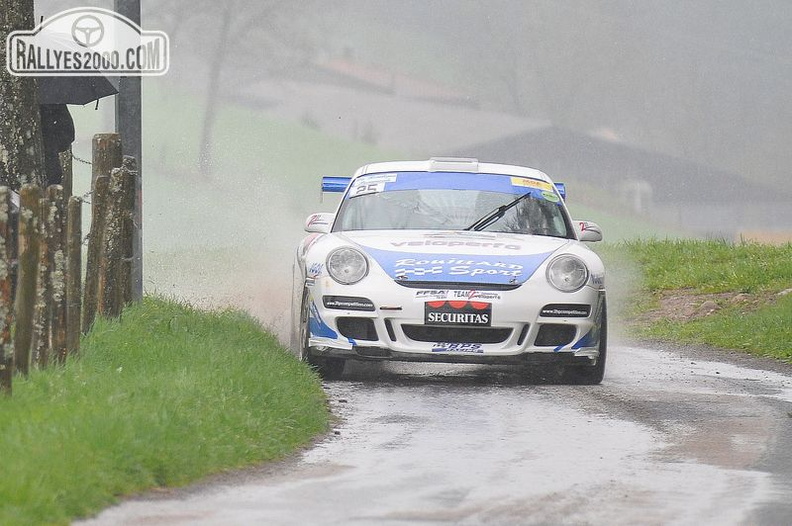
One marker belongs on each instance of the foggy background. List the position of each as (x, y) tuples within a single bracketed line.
[(667, 118)]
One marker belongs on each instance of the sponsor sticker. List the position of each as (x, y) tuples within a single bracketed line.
[(455, 243), (371, 184), (565, 311), (469, 295), (598, 279), (431, 295), (318, 220), (347, 303), (475, 348), (455, 267), (531, 183), (467, 313), (315, 270), (473, 270), (551, 196)]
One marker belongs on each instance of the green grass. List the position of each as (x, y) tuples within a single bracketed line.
[(164, 397), (713, 266), (764, 332), (696, 269)]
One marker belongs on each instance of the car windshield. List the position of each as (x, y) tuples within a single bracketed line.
[(451, 201)]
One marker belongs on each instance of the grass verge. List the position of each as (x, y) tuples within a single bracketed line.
[(728, 295), (163, 397)]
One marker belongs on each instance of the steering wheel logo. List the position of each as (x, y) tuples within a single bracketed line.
[(87, 31)]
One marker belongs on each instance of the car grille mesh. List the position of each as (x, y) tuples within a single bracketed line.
[(427, 333), (455, 285)]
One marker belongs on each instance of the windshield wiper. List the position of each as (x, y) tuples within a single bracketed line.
[(496, 214)]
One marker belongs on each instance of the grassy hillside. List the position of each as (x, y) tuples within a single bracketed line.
[(731, 296), (162, 397)]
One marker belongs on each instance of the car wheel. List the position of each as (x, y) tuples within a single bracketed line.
[(592, 374), (328, 368)]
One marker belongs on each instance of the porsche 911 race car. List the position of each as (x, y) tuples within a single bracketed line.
[(450, 260)]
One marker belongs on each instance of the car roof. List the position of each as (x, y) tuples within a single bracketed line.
[(452, 164)]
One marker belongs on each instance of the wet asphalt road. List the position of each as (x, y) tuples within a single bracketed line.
[(668, 438)]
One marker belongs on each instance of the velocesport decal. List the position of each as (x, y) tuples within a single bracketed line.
[(454, 243), (496, 269)]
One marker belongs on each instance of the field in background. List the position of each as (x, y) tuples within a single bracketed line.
[(229, 239)]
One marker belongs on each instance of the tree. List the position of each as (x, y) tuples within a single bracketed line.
[(237, 39), (21, 148)]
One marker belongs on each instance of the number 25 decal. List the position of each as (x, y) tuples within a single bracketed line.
[(369, 188)]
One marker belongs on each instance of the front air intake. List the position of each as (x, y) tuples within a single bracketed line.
[(357, 328), (555, 335)]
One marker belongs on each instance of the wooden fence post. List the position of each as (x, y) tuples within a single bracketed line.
[(106, 154), (26, 275), (110, 286), (40, 341), (73, 274), (67, 165), (6, 302), (95, 247), (57, 275)]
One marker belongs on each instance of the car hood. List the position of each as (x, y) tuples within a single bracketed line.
[(458, 257)]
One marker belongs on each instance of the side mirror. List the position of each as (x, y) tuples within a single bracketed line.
[(319, 223), (588, 231)]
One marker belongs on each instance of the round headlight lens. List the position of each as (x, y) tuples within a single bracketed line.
[(567, 273), (347, 265)]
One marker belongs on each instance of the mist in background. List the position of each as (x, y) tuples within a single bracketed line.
[(664, 118)]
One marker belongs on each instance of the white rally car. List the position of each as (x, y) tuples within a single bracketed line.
[(450, 260)]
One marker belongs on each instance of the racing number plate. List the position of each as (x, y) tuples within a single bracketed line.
[(458, 313)]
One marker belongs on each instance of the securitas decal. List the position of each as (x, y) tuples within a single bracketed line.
[(502, 270), (467, 313)]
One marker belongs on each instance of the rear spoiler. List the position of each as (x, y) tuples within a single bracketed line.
[(338, 184), (331, 183), (561, 187)]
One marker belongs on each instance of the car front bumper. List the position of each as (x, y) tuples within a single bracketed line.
[(396, 329)]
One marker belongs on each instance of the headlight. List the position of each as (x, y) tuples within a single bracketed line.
[(347, 265), (567, 273)]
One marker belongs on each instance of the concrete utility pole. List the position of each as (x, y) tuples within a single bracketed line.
[(129, 126)]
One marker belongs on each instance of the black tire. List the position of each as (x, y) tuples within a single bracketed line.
[(327, 368), (591, 374)]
